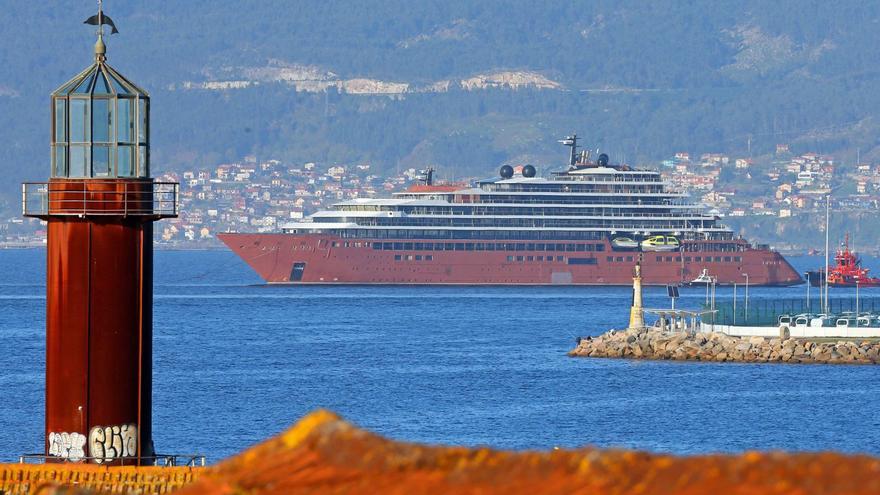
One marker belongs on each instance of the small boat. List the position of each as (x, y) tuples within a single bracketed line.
[(660, 243), (704, 277), (847, 272), (624, 242)]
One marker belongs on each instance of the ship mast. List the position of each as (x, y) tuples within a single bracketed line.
[(827, 225), (571, 141)]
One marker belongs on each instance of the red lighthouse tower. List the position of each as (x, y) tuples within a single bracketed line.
[(99, 203)]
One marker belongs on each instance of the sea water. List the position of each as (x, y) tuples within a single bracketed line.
[(236, 361)]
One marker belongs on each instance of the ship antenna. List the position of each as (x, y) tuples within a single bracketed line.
[(571, 141)]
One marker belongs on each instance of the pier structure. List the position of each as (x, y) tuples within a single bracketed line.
[(99, 204)]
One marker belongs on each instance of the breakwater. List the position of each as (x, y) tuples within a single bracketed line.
[(656, 344)]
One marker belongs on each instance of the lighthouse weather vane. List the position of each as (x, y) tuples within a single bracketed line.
[(100, 20)]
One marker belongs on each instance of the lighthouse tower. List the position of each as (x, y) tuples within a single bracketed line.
[(99, 203)]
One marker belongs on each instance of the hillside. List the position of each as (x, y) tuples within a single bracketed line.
[(463, 85)]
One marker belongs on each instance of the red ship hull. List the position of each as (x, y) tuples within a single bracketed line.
[(324, 259)]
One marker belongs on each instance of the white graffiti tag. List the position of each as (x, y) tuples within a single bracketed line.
[(70, 446), (112, 442)]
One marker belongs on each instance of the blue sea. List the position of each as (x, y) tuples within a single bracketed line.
[(237, 362)]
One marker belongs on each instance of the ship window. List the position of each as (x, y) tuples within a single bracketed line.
[(540, 258), (727, 259), (469, 246), (333, 244), (551, 247), (386, 245), (589, 247), (570, 247), (530, 258), (398, 246), (582, 261), (407, 245), (539, 247), (397, 257), (559, 258), (581, 248), (480, 246), (409, 257), (629, 258), (560, 247), (520, 247), (419, 246), (519, 258), (659, 258), (490, 246), (619, 259), (449, 246), (718, 259), (698, 258), (609, 258), (459, 246), (376, 245), (510, 258), (669, 258), (678, 259), (737, 259), (687, 259), (418, 257), (429, 258), (600, 247)]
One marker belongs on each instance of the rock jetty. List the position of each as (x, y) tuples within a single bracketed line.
[(652, 343)]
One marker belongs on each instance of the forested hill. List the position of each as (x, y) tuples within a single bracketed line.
[(460, 84)]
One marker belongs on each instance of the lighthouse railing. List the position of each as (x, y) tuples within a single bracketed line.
[(100, 198)]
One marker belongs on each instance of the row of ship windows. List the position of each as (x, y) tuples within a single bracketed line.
[(483, 246), (586, 261), (571, 261)]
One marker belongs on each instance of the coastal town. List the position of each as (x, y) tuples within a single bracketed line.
[(262, 195)]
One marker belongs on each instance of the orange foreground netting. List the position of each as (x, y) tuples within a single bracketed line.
[(324, 454)]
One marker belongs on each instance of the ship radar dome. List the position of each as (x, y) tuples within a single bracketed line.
[(602, 161), (506, 172), (529, 171)]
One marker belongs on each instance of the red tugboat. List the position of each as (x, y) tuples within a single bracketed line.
[(847, 273)]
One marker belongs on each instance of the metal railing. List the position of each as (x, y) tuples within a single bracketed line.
[(766, 312), (161, 460), (100, 198)]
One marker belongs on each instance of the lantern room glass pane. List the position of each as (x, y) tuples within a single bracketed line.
[(60, 161), (125, 122), (142, 120), (118, 86), (124, 161), (79, 120), (143, 166), (79, 160), (60, 120), (84, 85), (101, 86), (102, 120), (100, 161)]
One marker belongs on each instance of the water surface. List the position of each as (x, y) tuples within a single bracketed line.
[(237, 361)]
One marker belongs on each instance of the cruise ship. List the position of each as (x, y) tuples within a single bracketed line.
[(585, 225)]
